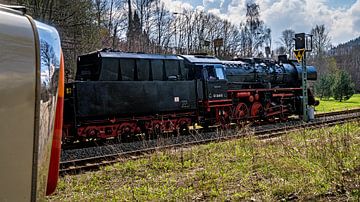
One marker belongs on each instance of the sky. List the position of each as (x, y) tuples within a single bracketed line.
[(341, 17)]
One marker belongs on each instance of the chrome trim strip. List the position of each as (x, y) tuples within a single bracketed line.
[(37, 110), (47, 92)]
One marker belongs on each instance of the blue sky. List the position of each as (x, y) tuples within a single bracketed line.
[(340, 3), (341, 17)]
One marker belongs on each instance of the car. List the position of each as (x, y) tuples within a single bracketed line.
[(31, 104)]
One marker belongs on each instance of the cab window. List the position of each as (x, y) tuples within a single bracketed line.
[(211, 73), (215, 73), (220, 73)]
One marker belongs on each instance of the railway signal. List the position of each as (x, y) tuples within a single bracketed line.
[(299, 54), (303, 44)]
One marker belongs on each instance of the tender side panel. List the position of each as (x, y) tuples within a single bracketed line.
[(133, 97), (17, 106)]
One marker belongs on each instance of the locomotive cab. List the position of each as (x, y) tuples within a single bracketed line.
[(210, 73), (214, 82), (212, 89)]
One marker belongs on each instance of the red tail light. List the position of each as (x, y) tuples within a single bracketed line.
[(53, 174)]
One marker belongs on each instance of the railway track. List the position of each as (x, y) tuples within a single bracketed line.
[(337, 112), (77, 160)]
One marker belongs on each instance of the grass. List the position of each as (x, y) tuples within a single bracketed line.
[(332, 105), (307, 165)]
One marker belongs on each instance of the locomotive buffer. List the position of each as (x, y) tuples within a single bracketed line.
[(303, 44)]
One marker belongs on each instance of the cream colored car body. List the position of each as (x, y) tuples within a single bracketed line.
[(29, 65)]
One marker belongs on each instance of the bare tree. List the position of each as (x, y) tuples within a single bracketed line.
[(321, 42), (287, 41), (147, 26), (162, 19), (321, 39), (253, 32), (281, 50)]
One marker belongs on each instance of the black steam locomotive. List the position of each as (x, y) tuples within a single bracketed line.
[(119, 94)]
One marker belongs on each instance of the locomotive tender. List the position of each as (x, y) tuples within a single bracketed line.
[(119, 94)]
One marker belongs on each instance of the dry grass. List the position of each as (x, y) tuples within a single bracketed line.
[(309, 165)]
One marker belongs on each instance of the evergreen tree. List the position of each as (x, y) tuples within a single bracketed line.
[(343, 87), (324, 86)]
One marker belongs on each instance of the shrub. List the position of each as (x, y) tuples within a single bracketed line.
[(343, 88), (338, 85), (323, 87)]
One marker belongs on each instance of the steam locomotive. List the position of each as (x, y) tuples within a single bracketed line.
[(118, 94)]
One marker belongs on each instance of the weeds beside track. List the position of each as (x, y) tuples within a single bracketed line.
[(92, 158)]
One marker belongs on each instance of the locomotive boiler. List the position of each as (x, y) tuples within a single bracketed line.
[(119, 94), (264, 73), (267, 88)]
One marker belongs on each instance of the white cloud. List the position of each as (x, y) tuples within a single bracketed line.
[(355, 14), (218, 13), (237, 11), (301, 15), (200, 8), (343, 23), (177, 5), (206, 2)]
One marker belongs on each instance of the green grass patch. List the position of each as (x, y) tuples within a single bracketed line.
[(333, 105), (304, 165)]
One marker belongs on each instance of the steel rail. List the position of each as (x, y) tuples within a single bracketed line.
[(93, 163)]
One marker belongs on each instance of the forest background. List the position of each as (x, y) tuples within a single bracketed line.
[(147, 26)]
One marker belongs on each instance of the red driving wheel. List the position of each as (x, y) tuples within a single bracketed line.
[(256, 109), (241, 111)]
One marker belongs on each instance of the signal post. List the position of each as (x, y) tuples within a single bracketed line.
[(303, 44)]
